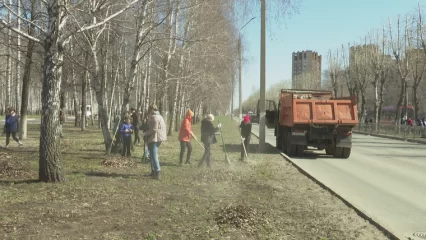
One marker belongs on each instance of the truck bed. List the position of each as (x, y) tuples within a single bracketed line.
[(316, 107)]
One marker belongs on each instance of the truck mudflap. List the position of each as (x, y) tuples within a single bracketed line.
[(344, 139)]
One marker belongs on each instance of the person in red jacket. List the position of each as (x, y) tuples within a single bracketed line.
[(185, 134)]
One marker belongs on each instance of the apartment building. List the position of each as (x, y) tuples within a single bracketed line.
[(306, 70)]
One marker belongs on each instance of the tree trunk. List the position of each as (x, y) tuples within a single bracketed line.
[(92, 111), (335, 85), (400, 102), (114, 84), (173, 110), (103, 118), (18, 61), (98, 83), (26, 80), (381, 94), (9, 63), (376, 101), (74, 95), (416, 102), (180, 108), (147, 83), (84, 96), (50, 166)]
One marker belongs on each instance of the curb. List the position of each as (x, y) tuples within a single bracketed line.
[(392, 137), (359, 212)]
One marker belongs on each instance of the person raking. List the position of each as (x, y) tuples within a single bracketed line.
[(245, 130)]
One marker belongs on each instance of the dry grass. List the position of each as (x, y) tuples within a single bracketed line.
[(108, 197)]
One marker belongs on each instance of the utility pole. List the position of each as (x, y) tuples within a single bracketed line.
[(240, 95), (262, 103)]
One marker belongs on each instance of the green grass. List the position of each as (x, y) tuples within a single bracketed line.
[(263, 198)]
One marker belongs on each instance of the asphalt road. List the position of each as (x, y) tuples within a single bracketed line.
[(384, 178)]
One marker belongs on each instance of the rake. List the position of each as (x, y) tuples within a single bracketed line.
[(224, 147)]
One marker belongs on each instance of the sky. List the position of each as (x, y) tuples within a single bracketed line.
[(320, 25)]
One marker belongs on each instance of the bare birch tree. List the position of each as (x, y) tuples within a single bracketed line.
[(334, 70), (55, 37), (400, 47), (419, 62)]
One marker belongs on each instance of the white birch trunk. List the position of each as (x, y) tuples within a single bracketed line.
[(9, 63), (50, 167), (18, 61)]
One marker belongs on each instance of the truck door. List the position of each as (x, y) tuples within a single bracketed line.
[(271, 113)]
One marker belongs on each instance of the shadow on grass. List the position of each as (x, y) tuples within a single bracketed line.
[(105, 174), (18, 150), (26, 181), (168, 164), (97, 150)]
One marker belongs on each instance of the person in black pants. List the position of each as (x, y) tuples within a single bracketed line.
[(126, 132), (208, 138), (11, 126), (245, 130), (135, 123)]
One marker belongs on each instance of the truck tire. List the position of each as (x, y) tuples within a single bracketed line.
[(330, 150), (338, 152), (346, 152), (291, 148)]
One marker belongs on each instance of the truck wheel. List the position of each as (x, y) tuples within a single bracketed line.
[(291, 148), (338, 152), (330, 150), (300, 150), (346, 152)]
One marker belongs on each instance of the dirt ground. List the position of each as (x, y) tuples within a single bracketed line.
[(108, 197)]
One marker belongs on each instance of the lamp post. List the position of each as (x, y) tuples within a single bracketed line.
[(262, 103)]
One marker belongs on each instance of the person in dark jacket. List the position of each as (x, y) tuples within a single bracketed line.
[(208, 138), (126, 132), (11, 126), (245, 130), (135, 123)]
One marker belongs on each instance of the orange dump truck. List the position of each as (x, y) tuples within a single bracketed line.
[(312, 118)]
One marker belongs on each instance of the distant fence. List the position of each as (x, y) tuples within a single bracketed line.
[(391, 129)]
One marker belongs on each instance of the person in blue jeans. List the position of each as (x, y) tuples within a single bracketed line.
[(156, 134), (11, 126), (126, 133), (144, 128)]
